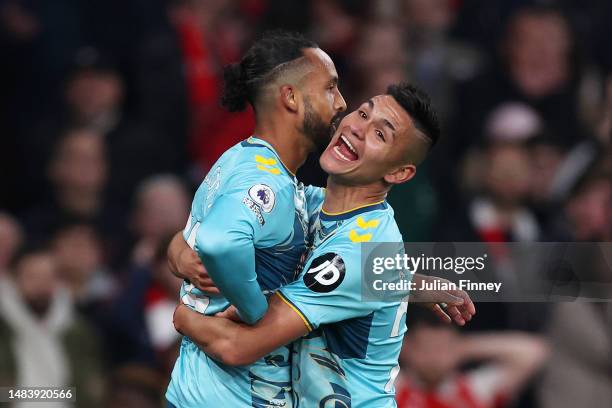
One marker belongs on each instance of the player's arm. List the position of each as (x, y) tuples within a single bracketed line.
[(327, 291), (174, 253), (184, 263), (515, 356), (237, 344), (224, 241)]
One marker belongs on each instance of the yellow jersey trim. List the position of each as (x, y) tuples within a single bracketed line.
[(296, 310)]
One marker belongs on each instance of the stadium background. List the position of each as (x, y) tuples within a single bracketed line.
[(109, 118)]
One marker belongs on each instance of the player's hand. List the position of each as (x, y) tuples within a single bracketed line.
[(190, 267), (449, 305), (230, 313)]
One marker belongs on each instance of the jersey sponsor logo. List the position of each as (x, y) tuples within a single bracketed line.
[(266, 164), (355, 237), (365, 225), (325, 274), (263, 196), (265, 161), (255, 208)]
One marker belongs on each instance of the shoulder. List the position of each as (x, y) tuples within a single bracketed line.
[(256, 174), (373, 226), (257, 164)]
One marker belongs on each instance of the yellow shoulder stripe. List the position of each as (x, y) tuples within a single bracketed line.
[(355, 237), (265, 161), (265, 164), (273, 170), (363, 224)]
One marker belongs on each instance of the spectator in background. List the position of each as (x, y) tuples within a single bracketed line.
[(78, 173), (94, 99), (379, 55), (161, 208), (499, 213), (11, 238), (547, 155), (94, 92), (160, 302), (433, 354), (587, 215), (538, 67), (79, 254), (436, 61), (134, 386), (211, 35), (140, 319), (44, 341), (579, 371), (335, 27)]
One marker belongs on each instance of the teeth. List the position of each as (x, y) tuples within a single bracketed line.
[(348, 144), (337, 150)]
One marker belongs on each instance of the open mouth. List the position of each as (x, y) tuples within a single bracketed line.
[(345, 150)]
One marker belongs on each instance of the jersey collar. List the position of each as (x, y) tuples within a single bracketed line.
[(325, 216)]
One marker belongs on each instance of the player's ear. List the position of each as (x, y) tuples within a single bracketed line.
[(289, 98), (401, 174)]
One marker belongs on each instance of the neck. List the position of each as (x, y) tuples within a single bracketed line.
[(341, 198), (290, 144)]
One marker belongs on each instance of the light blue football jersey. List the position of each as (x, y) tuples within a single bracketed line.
[(250, 201), (350, 357)]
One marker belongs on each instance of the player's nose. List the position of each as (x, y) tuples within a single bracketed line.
[(339, 103), (357, 131)]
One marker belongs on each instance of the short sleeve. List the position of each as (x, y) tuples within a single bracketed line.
[(328, 290), (255, 204)]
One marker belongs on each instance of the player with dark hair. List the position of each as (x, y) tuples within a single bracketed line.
[(345, 350), (249, 218)]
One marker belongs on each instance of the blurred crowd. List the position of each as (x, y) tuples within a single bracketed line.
[(110, 118)]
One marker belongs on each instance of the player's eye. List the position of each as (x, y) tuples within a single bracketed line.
[(380, 135), (363, 114)]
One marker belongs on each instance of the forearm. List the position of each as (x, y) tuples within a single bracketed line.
[(230, 261), (238, 344), (217, 337), (176, 247), (512, 347), (518, 356)]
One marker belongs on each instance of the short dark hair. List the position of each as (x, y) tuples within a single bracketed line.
[(418, 105), (243, 80)]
